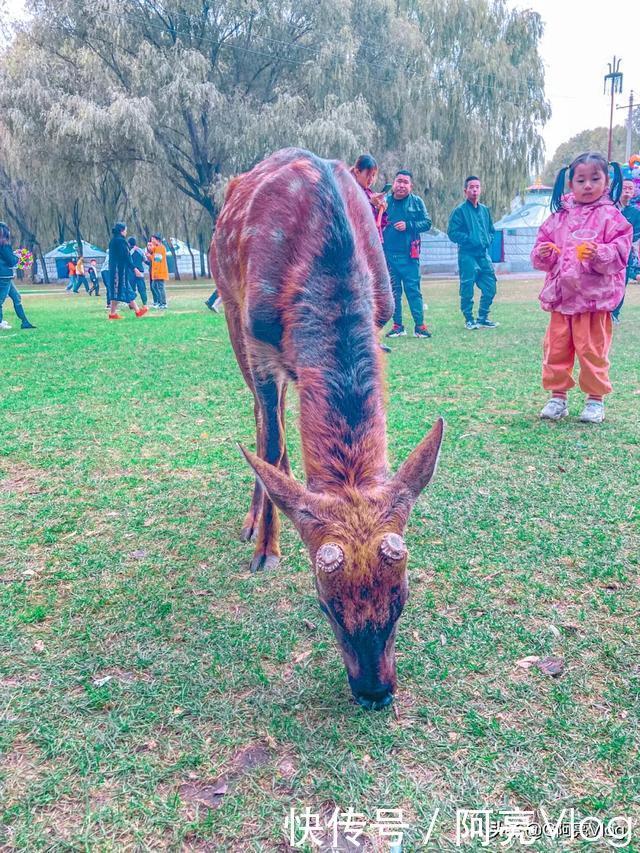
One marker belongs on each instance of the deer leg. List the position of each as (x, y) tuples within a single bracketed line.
[(250, 524), (284, 461), (267, 552)]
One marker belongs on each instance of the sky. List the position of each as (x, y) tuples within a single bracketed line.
[(576, 48)]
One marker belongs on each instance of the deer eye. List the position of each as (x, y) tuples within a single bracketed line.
[(393, 547), (329, 558)]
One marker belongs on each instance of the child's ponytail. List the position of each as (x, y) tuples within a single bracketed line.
[(615, 190), (558, 190)]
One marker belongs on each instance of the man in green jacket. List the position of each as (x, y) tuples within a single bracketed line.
[(470, 226), (407, 218)]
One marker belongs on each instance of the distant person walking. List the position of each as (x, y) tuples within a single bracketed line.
[(157, 256), (8, 263), (138, 261), (71, 269), (81, 278), (93, 278), (407, 218), (120, 266), (471, 227)]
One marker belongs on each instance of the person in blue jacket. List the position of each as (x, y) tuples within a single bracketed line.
[(8, 262)]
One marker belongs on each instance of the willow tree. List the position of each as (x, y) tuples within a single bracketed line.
[(201, 90)]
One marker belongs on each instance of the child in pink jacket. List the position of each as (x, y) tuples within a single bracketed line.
[(583, 247)]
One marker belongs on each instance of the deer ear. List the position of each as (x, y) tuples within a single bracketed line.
[(420, 466), (287, 494)]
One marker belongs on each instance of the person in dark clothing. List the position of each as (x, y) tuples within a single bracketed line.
[(138, 261), (120, 266), (471, 227), (14, 296), (407, 218), (8, 263), (632, 215), (93, 278)]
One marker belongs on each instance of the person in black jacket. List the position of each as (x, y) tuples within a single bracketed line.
[(120, 272), (8, 262), (137, 273)]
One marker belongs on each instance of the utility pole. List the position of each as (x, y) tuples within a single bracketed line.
[(614, 77), (630, 110), (627, 150)]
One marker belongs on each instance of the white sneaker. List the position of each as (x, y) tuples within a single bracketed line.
[(4, 325), (555, 409), (593, 412)]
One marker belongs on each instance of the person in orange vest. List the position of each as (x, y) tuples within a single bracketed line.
[(159, 269), (71, 267)]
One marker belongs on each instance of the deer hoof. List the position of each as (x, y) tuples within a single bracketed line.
[(264, 562)]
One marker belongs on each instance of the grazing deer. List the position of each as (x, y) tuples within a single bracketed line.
[(298, 262)]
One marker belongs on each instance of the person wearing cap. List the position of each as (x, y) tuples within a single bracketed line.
[(120, 266), (157, 255)]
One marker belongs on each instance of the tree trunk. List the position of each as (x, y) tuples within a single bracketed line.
[(203, 268), (188, 239), (45, 273)]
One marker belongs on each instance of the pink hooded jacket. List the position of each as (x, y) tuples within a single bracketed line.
[(571, 287)]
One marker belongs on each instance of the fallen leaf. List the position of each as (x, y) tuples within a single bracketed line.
[(530, 468), (138, 555), (551, 666), (527, 662), (28, 573), (443, 640), (302, 656), (309, 625), (555, 631), (38, 647), (453, 736), (99, 682), (569, 628)]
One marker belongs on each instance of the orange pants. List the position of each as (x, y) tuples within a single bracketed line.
[(589, 337)]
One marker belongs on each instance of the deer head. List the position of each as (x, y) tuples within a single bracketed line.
[(355, 540)]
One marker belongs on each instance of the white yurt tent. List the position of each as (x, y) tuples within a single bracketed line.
[(520, 228), (183, 257), (57, 259), (437, 253)]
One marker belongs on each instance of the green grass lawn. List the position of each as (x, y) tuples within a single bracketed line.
[(154, 695)]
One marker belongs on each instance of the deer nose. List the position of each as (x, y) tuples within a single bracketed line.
[(375, 701)]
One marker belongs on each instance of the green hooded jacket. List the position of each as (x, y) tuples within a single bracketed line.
[(471, 228)]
